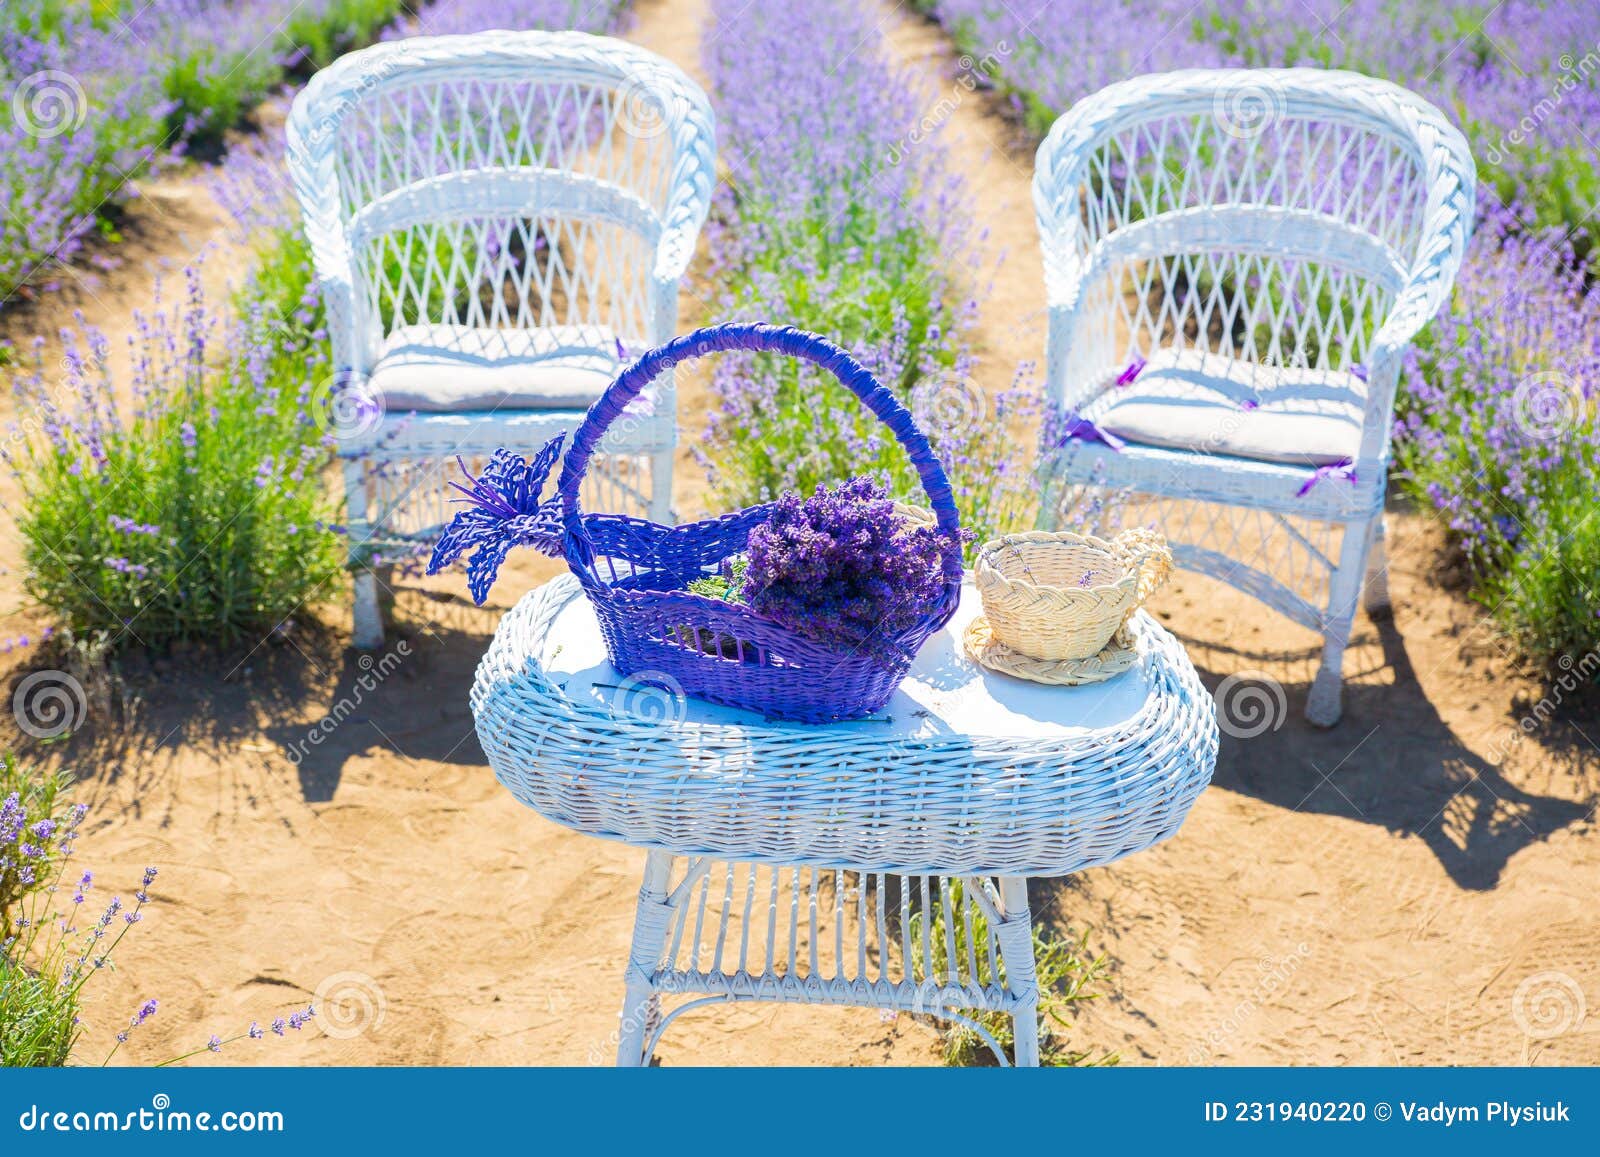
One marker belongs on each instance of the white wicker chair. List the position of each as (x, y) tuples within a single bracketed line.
[(1265, 243), (498, 222)]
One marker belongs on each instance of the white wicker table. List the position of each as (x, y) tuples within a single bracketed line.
[(880, 863)]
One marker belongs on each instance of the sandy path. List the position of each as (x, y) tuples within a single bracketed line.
[(1391, 891)]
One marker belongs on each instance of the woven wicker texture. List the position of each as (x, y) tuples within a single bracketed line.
[(635, 572), (1063, 596), (964, 772), (715, 932), (519, 182), (1285, 218), (1113, 659)]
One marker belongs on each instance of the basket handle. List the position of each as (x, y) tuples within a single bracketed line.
[(760, 337), (1146, 553)]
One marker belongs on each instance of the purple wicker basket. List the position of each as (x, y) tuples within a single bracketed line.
[(635, 571)]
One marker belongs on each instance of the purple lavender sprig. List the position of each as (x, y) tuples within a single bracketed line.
[(503, 510)]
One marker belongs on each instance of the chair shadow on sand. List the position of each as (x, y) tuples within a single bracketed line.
[(408, 698), (1390, 761), (300, 696)]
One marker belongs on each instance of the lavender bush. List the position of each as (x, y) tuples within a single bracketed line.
[(79, 115), (456, 17), (200, 513), (840, 219), (88, 103), (220, 58), (36, 831), (1522, 78), (1497, 431)]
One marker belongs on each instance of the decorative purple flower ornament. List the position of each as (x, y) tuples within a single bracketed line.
[(503, 511)]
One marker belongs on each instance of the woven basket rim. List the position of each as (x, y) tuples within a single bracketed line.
[(987, 572)]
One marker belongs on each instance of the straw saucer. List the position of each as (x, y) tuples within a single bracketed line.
[(1112, 660)]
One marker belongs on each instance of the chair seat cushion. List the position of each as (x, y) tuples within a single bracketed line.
[(453, 368), (1212, 404)]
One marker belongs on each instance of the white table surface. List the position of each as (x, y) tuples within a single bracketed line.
[(944, 692)]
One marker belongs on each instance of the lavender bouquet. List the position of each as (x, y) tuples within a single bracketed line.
[(843, 567)]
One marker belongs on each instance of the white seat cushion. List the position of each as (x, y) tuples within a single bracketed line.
[(454, 368), (1193, 400)]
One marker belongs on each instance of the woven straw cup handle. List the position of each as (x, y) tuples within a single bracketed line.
[(758, 337), (1146, 554)]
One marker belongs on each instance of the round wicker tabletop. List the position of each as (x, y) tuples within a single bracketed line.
[(965, 771)]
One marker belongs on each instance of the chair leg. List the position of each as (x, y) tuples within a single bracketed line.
[(1015, 934), (1050, 490), (367, 632), (1375, 592), (661, 486), (1324, 703), (367, 614), (641, 1009)]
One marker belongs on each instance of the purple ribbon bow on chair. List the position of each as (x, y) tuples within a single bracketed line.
[(1081, 429), (1135, 367), (1344, 470)]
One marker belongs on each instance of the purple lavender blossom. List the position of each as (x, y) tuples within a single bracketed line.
[(842, 568)]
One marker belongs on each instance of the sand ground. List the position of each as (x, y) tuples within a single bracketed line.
[(1409, 887)]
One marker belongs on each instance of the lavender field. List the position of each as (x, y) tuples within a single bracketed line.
[(318, 865)]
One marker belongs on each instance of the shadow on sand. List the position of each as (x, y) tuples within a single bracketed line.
[(1390, 761)]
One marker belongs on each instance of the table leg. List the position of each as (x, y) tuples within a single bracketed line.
[(640, 1005), (1015, 933)]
